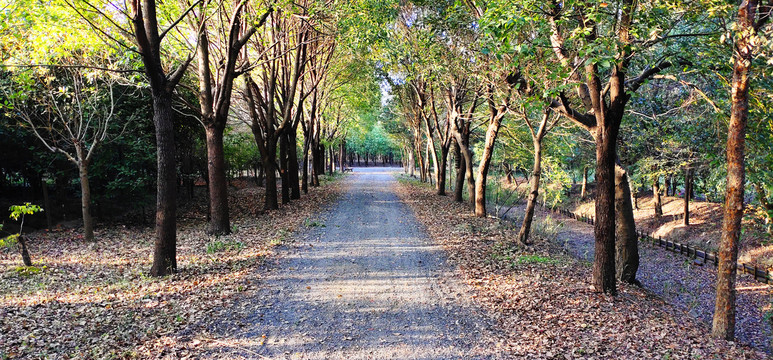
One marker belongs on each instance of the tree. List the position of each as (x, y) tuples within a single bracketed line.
[(71, 116), (16, 212), (751, 18), (215, 88)]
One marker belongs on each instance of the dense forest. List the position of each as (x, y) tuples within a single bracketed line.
[(145, 113)]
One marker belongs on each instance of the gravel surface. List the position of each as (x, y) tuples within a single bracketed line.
[(362, 282), (679, 281)]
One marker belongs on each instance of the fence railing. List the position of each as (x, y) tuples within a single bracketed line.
[(701, 256)]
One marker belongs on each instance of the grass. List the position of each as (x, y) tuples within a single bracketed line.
[(220, 246)]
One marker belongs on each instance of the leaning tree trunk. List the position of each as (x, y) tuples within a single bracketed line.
[(626, 241), (583, 192), (219, 223), (523, 235), (485, 162), (656, 197), (165, 253), (724, 311)]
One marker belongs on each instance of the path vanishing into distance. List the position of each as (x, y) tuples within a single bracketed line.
[(363, 282)]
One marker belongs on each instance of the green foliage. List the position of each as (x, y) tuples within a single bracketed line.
[(217, 246), (21, 210), (28, 271)]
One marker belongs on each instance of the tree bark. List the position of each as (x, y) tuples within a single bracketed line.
[(724, 311), (165, 253), (485, 162), (626, 241), (25, 254), (460, 171), (219, 223), (88, 221), (656, 197), (583, 192), (523, 234), (292, 165), (687, 192), (441, 177)]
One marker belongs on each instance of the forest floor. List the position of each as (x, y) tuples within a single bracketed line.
[(95, 300), (675, 279), (541, 295)]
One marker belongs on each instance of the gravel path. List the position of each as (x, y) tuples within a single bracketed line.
[(362, 282), (678, 281)]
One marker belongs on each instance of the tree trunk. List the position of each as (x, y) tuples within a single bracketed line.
[(687, 191), (269, 169), (165, 253), (292, 165), (88, 221), (219, 222), (305, 167), (485, 162), (583, 192), (656, 197), (283, 172), (441, 177), (668, 184), (626, 241), (25, 254), (724, 311), (523, 235), (461, 169), (604, 227)]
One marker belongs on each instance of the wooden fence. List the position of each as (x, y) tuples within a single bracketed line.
[(700, 256)]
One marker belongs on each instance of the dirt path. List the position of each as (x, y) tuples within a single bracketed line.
[(678, 281), (363, 282)]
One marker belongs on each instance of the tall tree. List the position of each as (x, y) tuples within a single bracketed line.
[(752, 16), (215, 88)]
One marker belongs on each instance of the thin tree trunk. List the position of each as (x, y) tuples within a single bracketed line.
[(25, 254), (485, 162), (724, 311), (441, 177), (292, 165), (305, 167), (523, 234), (583, 192), (219, 223), (687, 191), (88, 221), (656, 197)]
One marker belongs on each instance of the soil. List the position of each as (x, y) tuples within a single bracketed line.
[(363, 282)]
